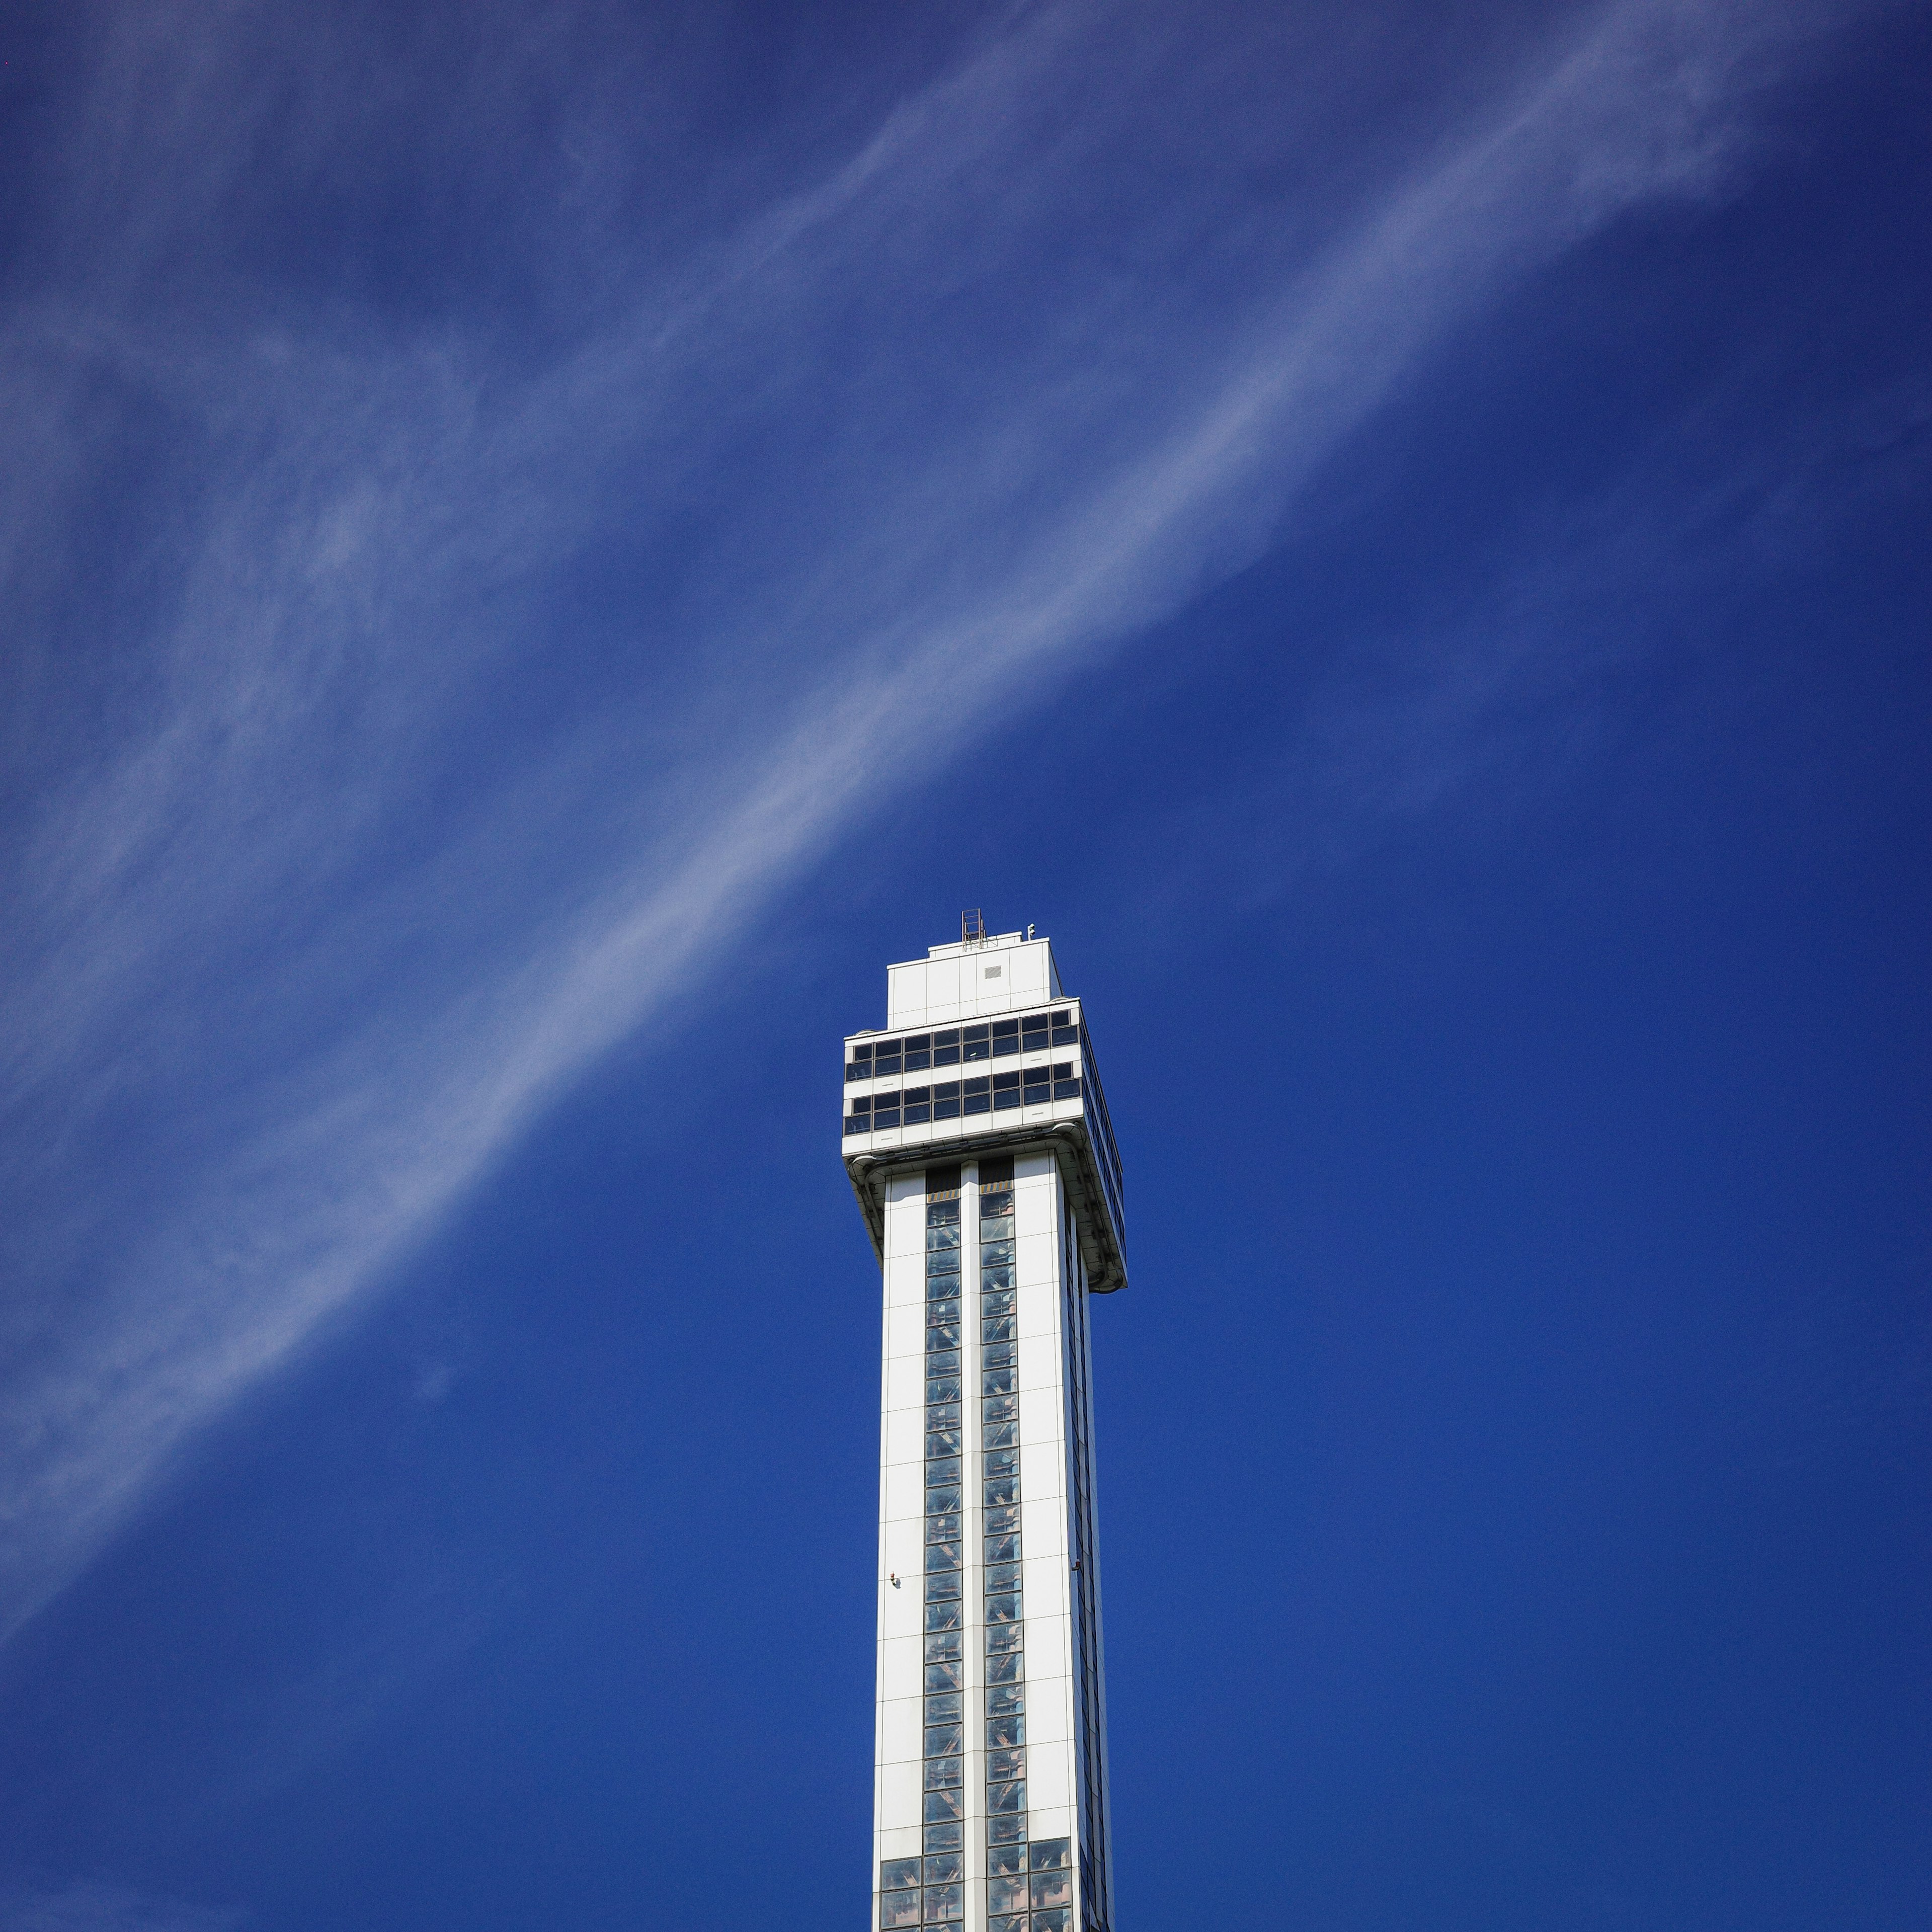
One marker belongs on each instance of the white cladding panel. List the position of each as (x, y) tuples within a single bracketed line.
[(957, 982)]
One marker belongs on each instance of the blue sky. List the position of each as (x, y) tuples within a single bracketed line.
[(542, 546)]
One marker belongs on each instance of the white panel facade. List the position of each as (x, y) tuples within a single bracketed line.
[(976, 1138)]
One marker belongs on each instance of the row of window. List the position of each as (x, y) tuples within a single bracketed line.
[(930, 1890), (943, 1807), (1031, 1032), (952, 1100)]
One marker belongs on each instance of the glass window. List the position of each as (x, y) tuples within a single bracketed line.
[(943, 1837), (944, 1773), (939, 1414), (1005, 1860), (996, 1275), (945, 1676), (1008, 1728), (1003, 1462), (948, 1707), (1002, 1700), (942, 1320), (942, 1555), (999, 1100), (1004, 1489), (1052, 1887), (1033, 1096), (1002, 1434), (942, 1469), (1003, 1548), (1006, 1895), (945, 1090), (944, 1288), (945, 1050), (915, 1115), (913, 1094), (1008, 1831), (943, 1498), (998, 1355), (1002, 1028), (1003, 1765), (1003, 1924), (1004, 1610), (1004, 1576), (938, 1213), (1009, 1668), (944, 1583), (943, 1807), (946, 1110), (971, 1034), (1002, 1329), (885, 1065), (916, 1056), (941, 1529), (983, 1085), (943, 1616), (947, 1646), (995, 1253), (944, 1741), (1002, 1519), (895, 1872), (885, 1117), (1053, 1921), (940, 1361), (898, 1908), (994, 1380), (1002, 1303), (999, 1408), (1006, 1797), (942, 1442), (945, 1869), (1001, 1082), (1052, 1854), (938, 1237), (858, 1070), (1067, 1089), (979, 1103), (1066, 1035), (858, 1123)]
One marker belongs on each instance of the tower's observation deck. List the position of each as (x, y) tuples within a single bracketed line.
[(976, 1138), (982, 1052)]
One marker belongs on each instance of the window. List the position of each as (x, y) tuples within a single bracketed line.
[(899, 1908), (946, 1048), (944, 1902), (1005, 1731), (944, 1676), (917, 1053), (883, 1116), (976, 1041), (999, 1409), (886, 1061)]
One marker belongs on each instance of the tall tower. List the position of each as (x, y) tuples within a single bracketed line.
[(976, 1138)]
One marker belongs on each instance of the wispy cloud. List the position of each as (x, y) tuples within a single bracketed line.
[(331, 888), (107, 1908)]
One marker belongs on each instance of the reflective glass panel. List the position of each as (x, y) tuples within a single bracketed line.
[(944, 1807), (942, 1237), (943, 1469), (898, 1908), (946, 1056), (943, 1837), (943, 1773), (1066, 1036), (943, 1616), (1067, 1089), (885, 1117), (1006, 1860), (942, 1442), (944, 1902), (1052, 1887), (1006, 1924), (1008, 1669), (1052, 1854), (945, 1708), (1006, 1894), (943, 1321), (1005, 1490), (941, 1414), (942, 1527), (992, 1382), (1001, 1328), (1007, 1830), (940, 1361), (1002, 1434), (1005, 1637), (946, 1110), (1003, 1462), (979, 1103), (1008, 1731), (997, 1279), (946, 1583), (1002, 1700), (999, 1408), (1006, 1797), (1009, 1099), (944, 1741), (992, 1252), (915, 1114), (1053, 1921), (949, 1644), (945, 1676), (998, 1520), (1002, 1764), (885, 1062), (944, 1555), (1004, 1576), (917, 1058), (895, 1872), (942, 1501), (944, 1869), (999, 1355), (1002, 1609)]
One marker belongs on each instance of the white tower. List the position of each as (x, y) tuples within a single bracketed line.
[(976, 1138)]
